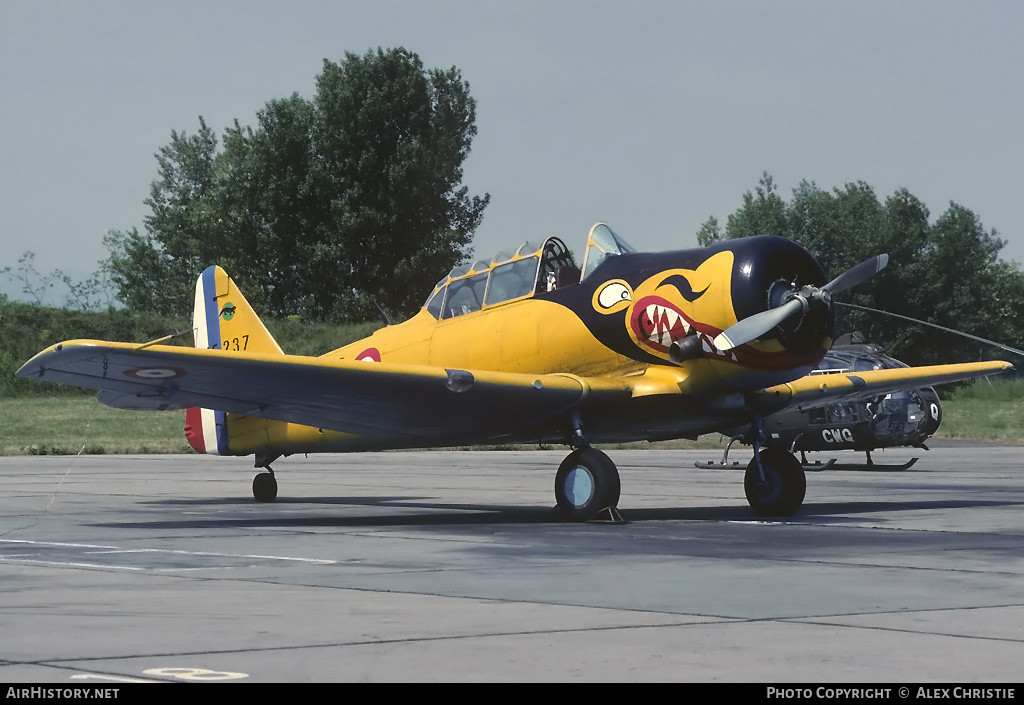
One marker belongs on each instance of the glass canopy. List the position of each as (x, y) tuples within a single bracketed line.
[(531, 270), (602, 242)]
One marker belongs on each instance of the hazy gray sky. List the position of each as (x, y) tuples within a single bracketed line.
[(648, 115)]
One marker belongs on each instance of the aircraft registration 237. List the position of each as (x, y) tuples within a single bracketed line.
[(524, 348)]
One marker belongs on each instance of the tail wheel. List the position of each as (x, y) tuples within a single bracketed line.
[(587, 482), (782, 491), (264, 487)]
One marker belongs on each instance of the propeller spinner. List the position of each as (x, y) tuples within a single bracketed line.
[(797, 301)]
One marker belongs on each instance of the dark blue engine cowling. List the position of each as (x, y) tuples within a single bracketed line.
[(766, 269)]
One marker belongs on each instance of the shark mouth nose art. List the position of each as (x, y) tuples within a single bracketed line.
[(657, 324)]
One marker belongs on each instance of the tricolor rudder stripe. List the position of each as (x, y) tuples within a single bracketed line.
[(206, 312), (223, 320), (206, 429)]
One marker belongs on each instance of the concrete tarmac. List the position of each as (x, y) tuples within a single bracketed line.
[(450, 566)]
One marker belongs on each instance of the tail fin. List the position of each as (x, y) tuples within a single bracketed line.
[(222, 319)]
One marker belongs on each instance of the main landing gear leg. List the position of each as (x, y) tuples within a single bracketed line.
[(774, 483), (264, 485), (587, 482)]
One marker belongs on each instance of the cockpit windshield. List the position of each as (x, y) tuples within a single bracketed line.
[(601, 243), (531, 270)]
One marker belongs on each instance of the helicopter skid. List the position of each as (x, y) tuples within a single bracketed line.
[(816, 466), (870, 466), (808, 467), (714, 465)]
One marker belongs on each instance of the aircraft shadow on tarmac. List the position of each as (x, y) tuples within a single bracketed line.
[(445, 514)]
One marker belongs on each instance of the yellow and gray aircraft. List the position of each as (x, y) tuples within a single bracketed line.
[(523, 348)]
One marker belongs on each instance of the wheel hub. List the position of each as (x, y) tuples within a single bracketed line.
[(579, 486), (770, 488)]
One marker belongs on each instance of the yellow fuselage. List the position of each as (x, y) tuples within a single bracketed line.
[(623, 321)]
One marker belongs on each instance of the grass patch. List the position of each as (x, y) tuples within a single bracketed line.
[(989, 409), (983, 420), (1000, 389), (69, 425)]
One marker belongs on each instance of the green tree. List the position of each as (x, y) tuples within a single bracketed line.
[(710, 232), (962, 284), (762, 212), (272, 213), (324, 206)]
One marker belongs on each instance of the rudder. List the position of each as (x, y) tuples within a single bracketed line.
[(222, 319)]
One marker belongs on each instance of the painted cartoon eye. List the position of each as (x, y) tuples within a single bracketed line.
[(613, 293)]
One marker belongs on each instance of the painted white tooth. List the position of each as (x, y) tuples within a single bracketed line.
[(651, 310), (704, 344), (666, 339), (732, 355), (654, 337)]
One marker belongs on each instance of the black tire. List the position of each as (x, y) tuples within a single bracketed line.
[(783, 492), (586, 482), (264, 487)]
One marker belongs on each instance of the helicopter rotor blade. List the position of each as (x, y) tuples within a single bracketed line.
[(979, 339)]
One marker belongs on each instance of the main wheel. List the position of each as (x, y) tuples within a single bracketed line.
[(264, 487), (586, 482), (784, 486)]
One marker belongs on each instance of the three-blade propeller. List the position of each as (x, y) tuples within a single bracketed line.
[(797, 301)]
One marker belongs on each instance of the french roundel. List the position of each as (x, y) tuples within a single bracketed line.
[(155, 372)]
